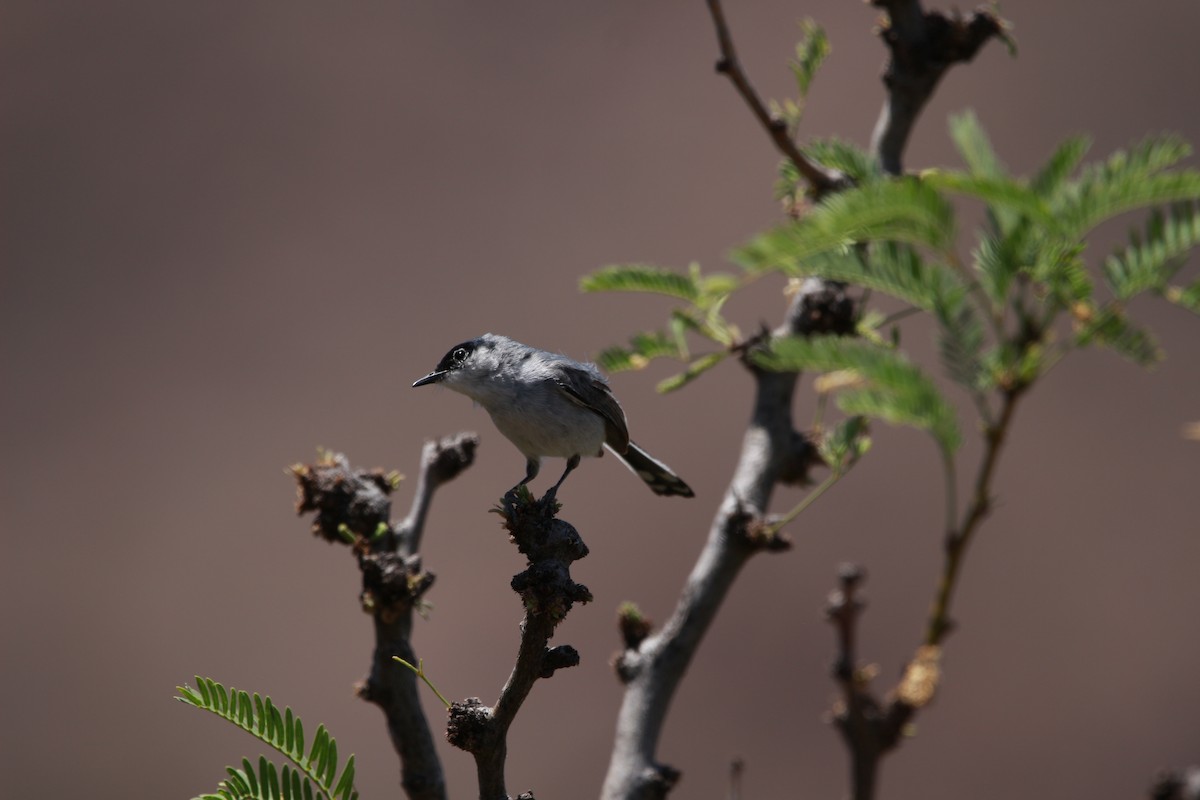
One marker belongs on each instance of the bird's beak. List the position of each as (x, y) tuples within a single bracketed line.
[(433, 377)]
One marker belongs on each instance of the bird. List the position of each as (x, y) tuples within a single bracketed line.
[(548, 405)]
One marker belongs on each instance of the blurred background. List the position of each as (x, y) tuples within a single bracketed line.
[(234, 232)]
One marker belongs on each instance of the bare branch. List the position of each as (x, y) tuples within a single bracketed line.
[(353, 507), (820, 178), (547, 593), (653, 667), (922, 46), (441, 461)]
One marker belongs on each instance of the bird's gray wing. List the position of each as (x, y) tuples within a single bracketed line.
[(589, 390)]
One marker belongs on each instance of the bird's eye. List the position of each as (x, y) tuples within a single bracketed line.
[(459, 355)]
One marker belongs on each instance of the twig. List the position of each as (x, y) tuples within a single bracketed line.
[(548, 593), (958, 540), (820, 178), (922, 46), (871, 728), (653, 667)]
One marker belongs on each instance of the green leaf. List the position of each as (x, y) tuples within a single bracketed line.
[(1186, 297), (1112, 329), (845, 444), (641, 278), (896, 390), (841, 155), (1062, 163), (1007, 198), (902, 210), (1126, 181), (345, 785), (260, 717), (1059, 266), (811, 51), (643, 348), (974, 146), (960, 343), (694, 370), (894, 269), (1152, 259)]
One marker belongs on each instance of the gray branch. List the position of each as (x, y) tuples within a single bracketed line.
[(547, 594), (921, 47), (653, 667)]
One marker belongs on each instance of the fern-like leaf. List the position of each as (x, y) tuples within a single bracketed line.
[(844, 156), (811, 52), (643, 348), (261, 718), (641, 278), (960, 342), (1112, 329), (894, 269), (1007, 198), (845, 444), (896, 390), (974, 146), (1128, 180), (1185, 296), (902, 210), (1058, 264), (1061, 164), (694, 370), (1152, 259)]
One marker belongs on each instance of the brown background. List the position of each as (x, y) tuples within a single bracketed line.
[(235, 231)]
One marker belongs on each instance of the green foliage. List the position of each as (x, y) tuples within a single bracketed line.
[(269, 783), (975, 147), (1110, 328), (1060, 166), (811, 52), (961, 342), (891, 388), (1152, 259), (997, 315), (1187, 297), (894, 269), (642, 349), (849, 159), (641, 278), (901, 210), (705, 296), (694, 370), (845, 444), (315, 771), (1126, 181), (856, 163)]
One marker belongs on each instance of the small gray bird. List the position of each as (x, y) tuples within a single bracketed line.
[(548, 405)]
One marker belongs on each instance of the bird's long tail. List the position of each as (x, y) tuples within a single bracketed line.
[(658, 476)]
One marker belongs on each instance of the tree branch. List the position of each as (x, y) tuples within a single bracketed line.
[(353, 507), (922, 46), (548, 593), (652, 667), (820, 178)]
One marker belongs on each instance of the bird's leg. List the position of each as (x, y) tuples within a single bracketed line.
[(572, 463), (532, 465)]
